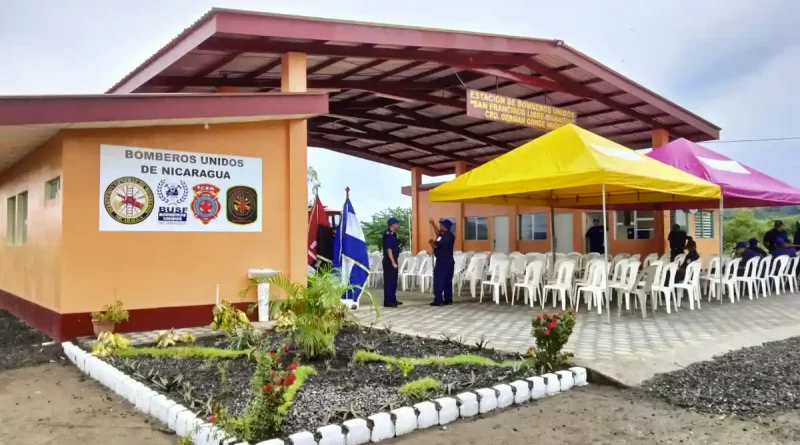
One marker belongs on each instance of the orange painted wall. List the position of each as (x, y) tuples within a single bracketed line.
[(159, 269), (33, 270)]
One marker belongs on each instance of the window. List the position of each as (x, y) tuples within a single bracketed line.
[(453, 226), (679, 217), (532, 226), (634, 224), (17, 219), (11, 219), (52, 188), (704, 224), (476, 228)]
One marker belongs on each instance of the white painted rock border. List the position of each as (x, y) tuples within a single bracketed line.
[(375, 428)]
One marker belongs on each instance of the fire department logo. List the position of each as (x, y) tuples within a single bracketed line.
[(242, 205), (129, 200), (172, 192), (205, 204)]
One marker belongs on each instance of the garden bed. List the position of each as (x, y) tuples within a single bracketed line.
[(21, 345), (749, 382), (347, 385)]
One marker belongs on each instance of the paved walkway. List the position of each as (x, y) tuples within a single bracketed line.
[(626, 348)]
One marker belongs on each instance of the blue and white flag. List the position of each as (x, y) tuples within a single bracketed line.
[(350, 254)]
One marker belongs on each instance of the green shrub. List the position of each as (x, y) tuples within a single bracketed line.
[(361, 357), (551, 333), (421, 389), (108, 344), (185, 352), (228, 319), (302, 373), (112, 312), (169, 338), (312, 314)]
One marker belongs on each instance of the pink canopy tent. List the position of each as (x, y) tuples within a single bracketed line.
[(741, 185)]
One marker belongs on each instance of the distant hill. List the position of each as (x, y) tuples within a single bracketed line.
[(768, 213)]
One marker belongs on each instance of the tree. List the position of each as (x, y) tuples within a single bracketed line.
[(376, 227), (313, 182), (741, 225)]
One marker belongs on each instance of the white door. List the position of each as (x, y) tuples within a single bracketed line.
[(500, 239), (563, 232)]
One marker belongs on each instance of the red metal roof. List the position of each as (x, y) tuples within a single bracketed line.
[(397, 93)]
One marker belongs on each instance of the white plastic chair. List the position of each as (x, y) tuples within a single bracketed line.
[(729, 279), (666, 258), (518, 266), (498, 281), (648, 260), (578, 258), (666, 290), (407, 276), (749, 280), (473, 274), (562, 286), (585, 278), (679, 258), (690, 285), (531, 283), (595, 287), (711, 274), (790, 275), (458, 271), (644, 286), (531, 256), (762, 275), (777, 271), (626, 285), (425, 274)]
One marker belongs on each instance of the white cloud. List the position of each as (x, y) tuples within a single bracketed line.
[(732, 61)]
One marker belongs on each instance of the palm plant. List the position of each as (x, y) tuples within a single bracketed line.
[(312, 313)]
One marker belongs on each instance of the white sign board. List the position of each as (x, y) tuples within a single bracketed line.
[(151, 190)]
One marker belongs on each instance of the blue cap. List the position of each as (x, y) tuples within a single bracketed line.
[(741, 245), (446, 223), (779, 240), (393, 221), (753, 242)]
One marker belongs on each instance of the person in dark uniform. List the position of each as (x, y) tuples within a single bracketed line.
[(594, 237), (781, 248), (443, 268), (796, 240), (691, 256), (755, 249), (778, 230), (741, 253), (391, 253), (677, 241)]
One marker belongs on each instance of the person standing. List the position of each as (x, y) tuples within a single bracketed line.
[(391, 254), (445, 263), (777, 231), (677, 241), (594, 237)]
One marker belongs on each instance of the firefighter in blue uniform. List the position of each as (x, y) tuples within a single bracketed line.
[(445, 264), (391, 254)]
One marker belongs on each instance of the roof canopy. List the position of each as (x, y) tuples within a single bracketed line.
[(397, 94), (741, 185), (567, 168)]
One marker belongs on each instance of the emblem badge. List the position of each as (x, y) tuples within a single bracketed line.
[(129, 200), (172, 192), (205, 204), (242, 205)]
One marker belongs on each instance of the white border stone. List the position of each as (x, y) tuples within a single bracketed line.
[(579, 374), (487, 400), (357, 431), (522, 391), (505, 395), (566, 379), (302, 438), (538, 388), (427, 416), (331, 435), (468, 404), (551, 383), (405, 420), (273, 442), (382, 427), (448, 410)]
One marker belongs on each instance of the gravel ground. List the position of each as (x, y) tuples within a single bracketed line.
[(339, 388), (750, 382), (21, 345)]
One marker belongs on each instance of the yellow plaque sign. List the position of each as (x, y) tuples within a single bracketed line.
[(495, 107)]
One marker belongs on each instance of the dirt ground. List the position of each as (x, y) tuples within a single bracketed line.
[(56, 404), (600, 415)]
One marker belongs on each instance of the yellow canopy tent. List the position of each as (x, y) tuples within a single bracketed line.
[(573, 168), (569, 168)]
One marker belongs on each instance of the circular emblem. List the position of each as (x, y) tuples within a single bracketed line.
[(205, 204), (129, 200), (172, 192), (242, 205)]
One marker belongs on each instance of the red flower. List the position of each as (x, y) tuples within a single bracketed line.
[(292, 366), (272, 354), (289, 380), (280, 360), (212, 419), (286, 348), (552, 325), (539, 317), (547, 332), (268, 387)]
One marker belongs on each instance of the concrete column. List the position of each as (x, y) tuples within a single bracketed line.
[(461, 168), (660, 137), (293, 80), (418, 220)]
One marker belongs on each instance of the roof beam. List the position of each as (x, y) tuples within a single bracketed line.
[(265, 68), (208, 69), (364, 153), (419, 121), (357, 69), (364, 132)]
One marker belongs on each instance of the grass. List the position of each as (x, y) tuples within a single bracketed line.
[(302, 373), (200, 352), (421, 389), (362, 357)]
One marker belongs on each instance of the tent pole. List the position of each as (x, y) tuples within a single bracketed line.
[(721, 250), (605, 254), (552, 268)]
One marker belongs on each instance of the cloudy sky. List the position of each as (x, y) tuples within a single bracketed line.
[(734, 62)]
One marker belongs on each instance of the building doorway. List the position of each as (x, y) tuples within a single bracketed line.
[(500, 239), (562, 236), (588, 221)]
